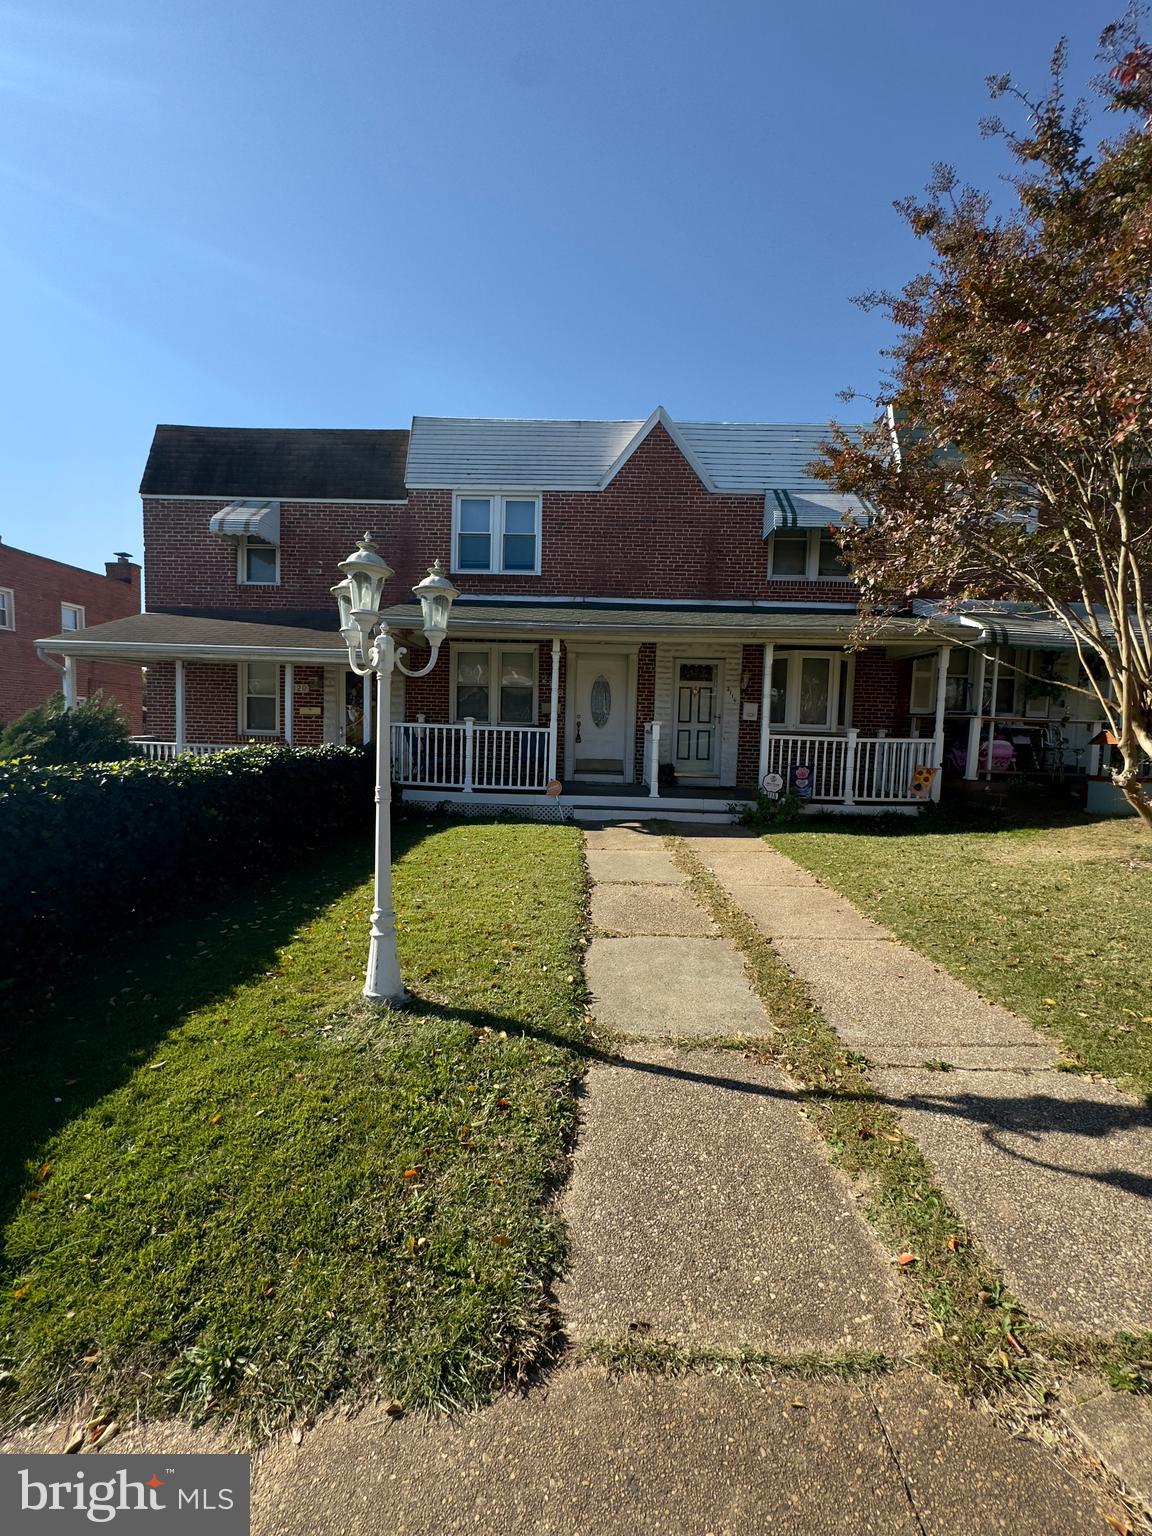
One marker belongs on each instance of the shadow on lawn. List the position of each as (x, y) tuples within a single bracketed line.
[(70, 1039), (1033, 1116)]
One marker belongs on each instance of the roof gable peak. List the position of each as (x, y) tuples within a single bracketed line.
[(661, 418)]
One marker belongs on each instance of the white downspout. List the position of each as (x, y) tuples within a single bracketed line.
[(181, 735), (554, 711), (289, 701)]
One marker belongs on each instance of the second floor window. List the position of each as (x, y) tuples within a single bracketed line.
[(259, 563), (810, 554), (7, 609), (497, 534), (71, 616)]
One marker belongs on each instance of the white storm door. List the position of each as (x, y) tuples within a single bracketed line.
[(696, 706), (600, 727)]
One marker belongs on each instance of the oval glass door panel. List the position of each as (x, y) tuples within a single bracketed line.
[(600, 701)]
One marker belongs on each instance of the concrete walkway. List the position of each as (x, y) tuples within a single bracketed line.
[(1052, 1172)]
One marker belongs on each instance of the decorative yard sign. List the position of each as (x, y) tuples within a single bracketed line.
[(772, 784), (553, 788), (802, 781), (921, 785)]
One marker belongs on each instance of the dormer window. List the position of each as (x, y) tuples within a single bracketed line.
[(495, 533)]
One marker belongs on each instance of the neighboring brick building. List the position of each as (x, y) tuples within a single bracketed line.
[(38, 597), (622, 582)]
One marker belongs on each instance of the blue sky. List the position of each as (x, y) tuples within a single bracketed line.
[(240, 212)]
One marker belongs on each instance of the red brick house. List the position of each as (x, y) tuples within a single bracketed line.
[(647, 608), (38, 597)]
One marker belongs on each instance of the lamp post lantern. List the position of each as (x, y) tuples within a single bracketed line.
[(372, 648)]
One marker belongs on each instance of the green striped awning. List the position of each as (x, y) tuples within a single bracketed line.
[(811, 509)]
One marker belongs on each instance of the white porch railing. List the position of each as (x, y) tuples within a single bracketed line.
[(850, 768), (166, 749), (467, 756)]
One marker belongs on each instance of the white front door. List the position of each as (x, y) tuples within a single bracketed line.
[(697, 718), (600, 720)]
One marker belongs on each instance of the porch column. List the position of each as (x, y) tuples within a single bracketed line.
[(289, 702), (181, 735), (553, 710), (69, 682), (972, 760), (991, 715), (765, 712), (367, 717), (938, 733)]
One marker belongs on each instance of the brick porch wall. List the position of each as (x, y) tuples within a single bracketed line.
[(748, 742), (645, 702)]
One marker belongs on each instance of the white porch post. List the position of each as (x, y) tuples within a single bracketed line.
[(553, 710), (972, 760), (289, 701), (938, 731), (181, 736), (765, 712), (654, 760), (69, 682), (367, 721), (850, 738), (991, 715), (469, 750)]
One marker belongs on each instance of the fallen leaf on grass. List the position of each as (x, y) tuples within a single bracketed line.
[(44, 1171), (905, 1259), (216, 1118), (953, 1243), (75, 1441), (103, 1436)]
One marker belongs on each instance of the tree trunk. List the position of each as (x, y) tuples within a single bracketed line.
[(1128, 781)]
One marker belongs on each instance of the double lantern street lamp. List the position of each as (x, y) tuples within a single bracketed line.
[(372, 648)]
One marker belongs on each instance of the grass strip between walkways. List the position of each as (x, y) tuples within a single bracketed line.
[(231, 1189), (978, 1337)]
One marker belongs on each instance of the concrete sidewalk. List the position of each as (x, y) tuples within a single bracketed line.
[(1053, 1172)]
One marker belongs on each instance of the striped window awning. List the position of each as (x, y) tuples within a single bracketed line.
[(811, 509), (248, 519)]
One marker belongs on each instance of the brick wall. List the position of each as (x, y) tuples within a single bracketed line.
[(876, 694), (655, 532), (40, 586), (748, 744), (211, 704), (645, 701)]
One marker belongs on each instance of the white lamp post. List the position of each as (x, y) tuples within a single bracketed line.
[(371, 648)]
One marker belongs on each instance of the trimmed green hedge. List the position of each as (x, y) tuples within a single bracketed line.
[(89, 850)]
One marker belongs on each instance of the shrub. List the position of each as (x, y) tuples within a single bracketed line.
[(89, 850), (768, 810), (94, 732)]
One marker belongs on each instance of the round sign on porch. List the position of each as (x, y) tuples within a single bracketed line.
[(553, 788)]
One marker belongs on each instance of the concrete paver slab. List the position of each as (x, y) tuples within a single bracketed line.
[(702, 1206), (653, 909), (966, 1474), (880, 996), (1054, 1175), (634, 834), (742, 858), (651, 987), (650, 864), (810, 912), (587, 1456), (1118, 1427)]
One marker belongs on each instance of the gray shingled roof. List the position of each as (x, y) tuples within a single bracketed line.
[(493, 454), (286, 463), (159, 634)]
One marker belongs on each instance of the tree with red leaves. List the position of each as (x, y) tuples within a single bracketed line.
[(1013, 455)]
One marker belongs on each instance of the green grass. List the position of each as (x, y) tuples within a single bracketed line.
[(1053, 922), (231, 1188)]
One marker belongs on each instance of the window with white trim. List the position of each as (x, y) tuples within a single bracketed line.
[(258, 562), (809, 690), (805, 554), (7, 608), (957, 688), (71, 616), (260, 698), (496, 533), (495, 685)]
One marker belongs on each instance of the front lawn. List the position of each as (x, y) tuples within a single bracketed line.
[(1054, 921), (230, 1188)]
